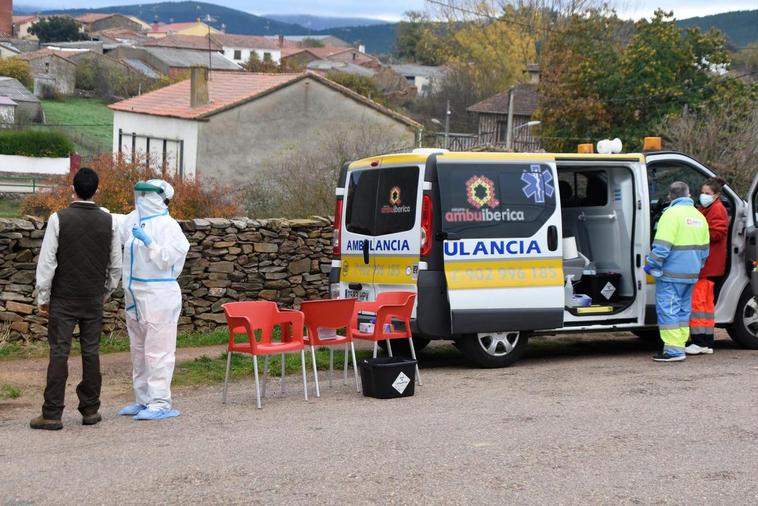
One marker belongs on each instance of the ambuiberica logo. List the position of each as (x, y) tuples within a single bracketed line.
[(485, 206), (395, 203)]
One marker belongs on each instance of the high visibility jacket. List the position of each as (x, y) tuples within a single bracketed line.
[(681, 244)]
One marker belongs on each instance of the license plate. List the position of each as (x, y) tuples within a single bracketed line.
[(361, 295)]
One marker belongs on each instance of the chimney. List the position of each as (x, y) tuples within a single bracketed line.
[(198, 86), (6, 17), (281, 41), (534, 73)]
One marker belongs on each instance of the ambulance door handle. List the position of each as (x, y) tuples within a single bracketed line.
[(365, 252), (552, 238), (448, 236)]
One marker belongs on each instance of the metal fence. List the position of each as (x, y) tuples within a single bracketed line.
[(21, 184), (474, 142)]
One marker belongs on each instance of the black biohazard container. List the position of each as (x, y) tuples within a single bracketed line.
[(388, 377), (603, 287)]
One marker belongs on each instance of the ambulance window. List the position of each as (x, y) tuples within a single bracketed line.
[(382, 201), (660, 175), (506, 200), (361, 201), (396, 201), (583, 189)]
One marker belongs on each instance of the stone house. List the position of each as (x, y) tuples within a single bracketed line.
[(51, 69), (424, 78), (230, 126), (96, 21), (7, 111), (303, 56), (493, 116), (28, 106)]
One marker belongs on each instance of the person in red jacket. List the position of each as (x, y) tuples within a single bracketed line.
[(702, 320)]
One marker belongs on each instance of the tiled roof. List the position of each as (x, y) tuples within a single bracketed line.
[(185, 58), (183, 42), (12, 88), (43, 53), (231, 89), (118, 33), (524, 101), (173, 27), (7, 101), (224, 90), (20, 20), (245, 41), (94, 16)]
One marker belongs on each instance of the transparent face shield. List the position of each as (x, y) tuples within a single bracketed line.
[(149, 200)]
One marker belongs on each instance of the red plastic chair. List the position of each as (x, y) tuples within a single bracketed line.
[(387, 306), (332, 315), (246, 318)]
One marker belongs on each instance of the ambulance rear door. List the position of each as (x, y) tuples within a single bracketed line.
[(752, 234), (380, 236), (501, 231)]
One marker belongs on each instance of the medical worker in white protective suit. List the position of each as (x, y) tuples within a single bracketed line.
[(154, 252)]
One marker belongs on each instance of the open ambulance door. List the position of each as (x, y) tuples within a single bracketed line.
[(752, 235), (501, 231)]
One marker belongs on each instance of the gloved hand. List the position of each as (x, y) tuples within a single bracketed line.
[(648, 269), (140, 234)]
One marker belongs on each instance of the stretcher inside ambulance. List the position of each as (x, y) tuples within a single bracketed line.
[(501, 246)]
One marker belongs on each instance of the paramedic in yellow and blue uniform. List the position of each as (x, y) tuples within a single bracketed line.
[(679, 252), (154, 252)]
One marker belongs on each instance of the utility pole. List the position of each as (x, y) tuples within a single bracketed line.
[(509, 124), (447, 122)]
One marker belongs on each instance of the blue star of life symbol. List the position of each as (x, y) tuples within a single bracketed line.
[(538, 183)]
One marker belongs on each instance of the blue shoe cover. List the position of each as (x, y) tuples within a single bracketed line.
[(131, 409), (156, 414)]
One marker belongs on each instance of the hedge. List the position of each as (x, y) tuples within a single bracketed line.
[(35, 143)]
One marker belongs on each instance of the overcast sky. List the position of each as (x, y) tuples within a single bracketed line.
[(393, 9)]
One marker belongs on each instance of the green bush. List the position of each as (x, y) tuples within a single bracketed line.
[(35, 143)]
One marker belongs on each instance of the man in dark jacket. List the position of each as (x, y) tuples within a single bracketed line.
[(78, 268)]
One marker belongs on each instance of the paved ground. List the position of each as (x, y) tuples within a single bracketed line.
[(591, 421)]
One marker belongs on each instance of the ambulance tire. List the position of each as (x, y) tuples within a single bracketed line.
[(744, 330), (483, 353), (400, 347)]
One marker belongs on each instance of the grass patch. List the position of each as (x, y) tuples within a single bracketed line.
[(207, 371), (87, 121), (10, 208), (113, 343), (9, 391)]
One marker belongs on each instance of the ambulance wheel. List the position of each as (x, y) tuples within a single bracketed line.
[(495, 349), (744, 330), (401, 348)]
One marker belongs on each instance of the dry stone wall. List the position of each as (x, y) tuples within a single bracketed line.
[(286, 261)]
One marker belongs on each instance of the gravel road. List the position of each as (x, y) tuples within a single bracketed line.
[(592, 420)]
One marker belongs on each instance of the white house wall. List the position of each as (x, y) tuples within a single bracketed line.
[(276, 55), (234, 145), (180, 136)]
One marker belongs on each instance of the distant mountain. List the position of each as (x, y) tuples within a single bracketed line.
[(236, 21), (740, 27), (379, 39), (322, 22)]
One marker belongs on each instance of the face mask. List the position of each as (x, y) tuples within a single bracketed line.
[(706, 200)]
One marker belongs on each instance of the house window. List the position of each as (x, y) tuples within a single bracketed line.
[(502, 131), (237, 54), (47, 67), (267, 56)]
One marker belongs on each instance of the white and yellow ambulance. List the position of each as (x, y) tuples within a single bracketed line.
[(489, 240)]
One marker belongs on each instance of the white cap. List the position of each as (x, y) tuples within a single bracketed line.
[(168, 190)]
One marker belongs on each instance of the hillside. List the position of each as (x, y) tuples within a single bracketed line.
[(740, 27), (379, 39), (322, 22), (236, 21)]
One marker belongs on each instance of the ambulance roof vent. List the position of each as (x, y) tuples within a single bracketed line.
[(430, 151)]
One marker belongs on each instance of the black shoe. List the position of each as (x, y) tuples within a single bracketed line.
[(43, 423), (91, 419), (669, 357)]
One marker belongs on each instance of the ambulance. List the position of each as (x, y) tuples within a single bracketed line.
[(503, 246)]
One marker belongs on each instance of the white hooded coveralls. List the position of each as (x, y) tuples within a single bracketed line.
[(152, 295)]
